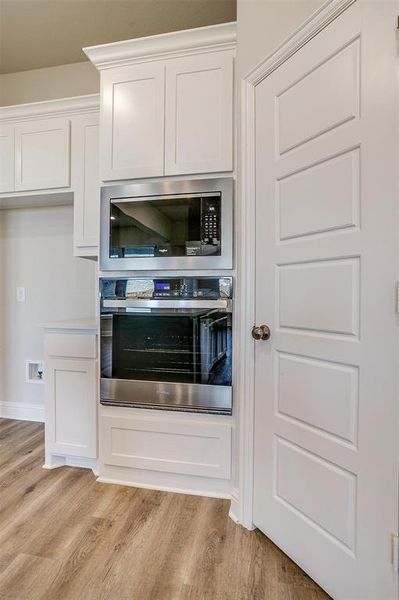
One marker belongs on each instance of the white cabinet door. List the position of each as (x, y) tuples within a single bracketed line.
[(86, 184), (71, 407), (199, 114), (132, 120), (42, 154), (6, 158)]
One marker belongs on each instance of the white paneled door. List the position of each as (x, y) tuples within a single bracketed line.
[(326, 436)]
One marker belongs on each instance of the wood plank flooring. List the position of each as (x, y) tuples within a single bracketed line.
[(63, 536)]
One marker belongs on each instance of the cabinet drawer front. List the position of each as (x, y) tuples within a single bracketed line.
[(71, 345), (42, 155), (132, 121), (6, 158), (186, 447), (199, 114)]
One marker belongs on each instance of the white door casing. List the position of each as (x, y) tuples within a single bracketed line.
[(322, 171)]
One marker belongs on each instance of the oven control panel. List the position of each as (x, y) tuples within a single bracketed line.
[(192, 287), (168, 288)]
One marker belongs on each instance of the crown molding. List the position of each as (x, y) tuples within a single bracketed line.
[(51, 108), (166, 45)]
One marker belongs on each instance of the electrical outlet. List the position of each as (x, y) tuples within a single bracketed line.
[(21, 294)]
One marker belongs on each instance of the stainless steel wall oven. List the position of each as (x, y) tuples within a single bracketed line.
[(167, 225), (167, 343)]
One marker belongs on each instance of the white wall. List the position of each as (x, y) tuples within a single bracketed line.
[(36, 251), (64, 81)]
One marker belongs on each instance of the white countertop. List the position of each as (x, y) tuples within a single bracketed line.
[(89, 325)]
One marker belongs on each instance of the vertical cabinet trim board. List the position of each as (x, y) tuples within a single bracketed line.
[(86, 184), (6, 158)]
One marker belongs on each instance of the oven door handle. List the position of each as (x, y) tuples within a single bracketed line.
[(226, 304)]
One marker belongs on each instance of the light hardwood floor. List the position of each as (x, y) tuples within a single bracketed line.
[(63, 536)]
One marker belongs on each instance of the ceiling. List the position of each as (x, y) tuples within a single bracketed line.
[(45, 33)]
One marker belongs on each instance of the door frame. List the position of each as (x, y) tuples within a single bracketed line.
[(242, 497)]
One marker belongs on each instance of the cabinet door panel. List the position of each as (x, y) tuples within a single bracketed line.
[(86, 184), (6, 158), (71, 408), (187, 447), (199, 114), (42, 155), (133, 122)]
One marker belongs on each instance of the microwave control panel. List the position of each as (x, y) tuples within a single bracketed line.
[(210, 225)]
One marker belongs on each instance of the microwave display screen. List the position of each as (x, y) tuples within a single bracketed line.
[(178, 225)]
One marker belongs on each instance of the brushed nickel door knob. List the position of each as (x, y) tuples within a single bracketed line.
[(261, 332)]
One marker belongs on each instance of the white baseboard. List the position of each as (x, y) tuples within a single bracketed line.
[(164, 488), (235, 511), (234, 506), (54, 461), (22, 411)]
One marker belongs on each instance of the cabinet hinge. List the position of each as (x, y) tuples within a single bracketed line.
[(395, 551)]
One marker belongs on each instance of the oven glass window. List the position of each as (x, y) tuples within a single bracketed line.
[(164, 227), (184, 346)]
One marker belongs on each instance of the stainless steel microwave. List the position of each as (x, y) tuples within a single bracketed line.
[(167, 225)]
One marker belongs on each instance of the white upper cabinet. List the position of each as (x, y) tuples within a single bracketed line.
[(132, 119), (42, 154), (6, 158), (86, 183), (167, 103), (49, 155), (199, 114)]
